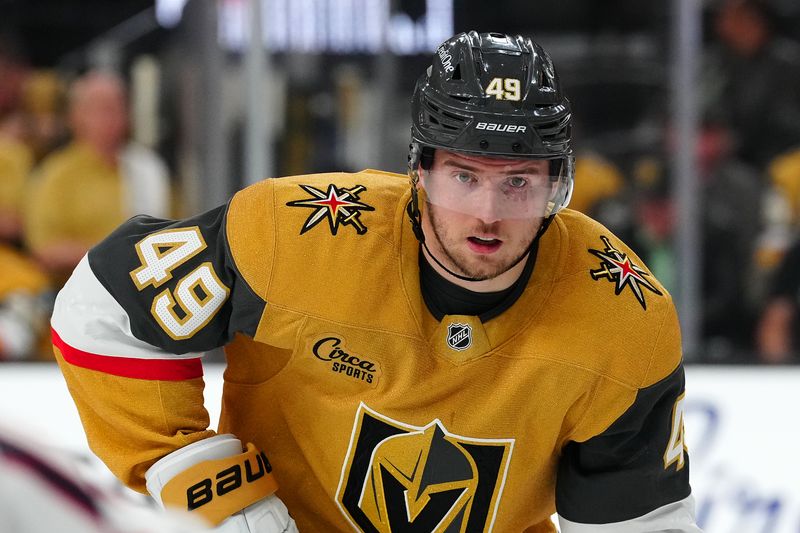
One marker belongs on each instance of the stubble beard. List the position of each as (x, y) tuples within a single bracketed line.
[(485, 270)]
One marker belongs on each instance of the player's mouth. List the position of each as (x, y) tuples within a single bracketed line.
[(484, 245)]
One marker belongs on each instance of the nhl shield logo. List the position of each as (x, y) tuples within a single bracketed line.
[(459, 336)]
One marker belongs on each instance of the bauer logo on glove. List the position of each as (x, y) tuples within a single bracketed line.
[(212, 477), (228, 479)]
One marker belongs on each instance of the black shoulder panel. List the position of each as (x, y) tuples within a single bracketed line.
[(201, 248), (626, 472)]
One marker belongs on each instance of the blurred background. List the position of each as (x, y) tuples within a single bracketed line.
[(687, 130), (687, 133)]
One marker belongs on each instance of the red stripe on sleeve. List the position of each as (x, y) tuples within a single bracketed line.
[(129, 367)]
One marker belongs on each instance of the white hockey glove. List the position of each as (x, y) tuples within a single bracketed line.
[(231, 489)]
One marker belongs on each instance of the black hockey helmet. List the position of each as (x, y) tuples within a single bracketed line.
[(495, 95)]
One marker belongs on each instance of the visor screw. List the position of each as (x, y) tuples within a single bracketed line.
[(517, 147), (484, 144)]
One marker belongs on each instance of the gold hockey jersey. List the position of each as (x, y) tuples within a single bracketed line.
[(376, 416)]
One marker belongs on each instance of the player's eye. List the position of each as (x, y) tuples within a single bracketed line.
[(517, 182), (464, 177)]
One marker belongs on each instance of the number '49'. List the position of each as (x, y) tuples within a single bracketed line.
[(504, 89), (676, 446), (197, 296)]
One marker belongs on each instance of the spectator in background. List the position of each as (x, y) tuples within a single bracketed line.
[(16, 161), (27, 134), (24, 288), (732, 193), (13, 72), (43, 103), (784, 175), (731, 198), (82, 192), (16, 158), (780, 217), (777, 333), (597, 180), (752, 81)]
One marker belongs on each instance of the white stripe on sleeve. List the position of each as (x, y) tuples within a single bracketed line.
[(88, 318), (677, 517)]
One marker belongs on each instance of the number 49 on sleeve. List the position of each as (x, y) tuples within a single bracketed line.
[(197, 296), (676, 446)]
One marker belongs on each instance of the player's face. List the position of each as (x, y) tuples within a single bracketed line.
[(483, 213)]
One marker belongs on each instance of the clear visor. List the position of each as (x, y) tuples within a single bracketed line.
[(533, 193)]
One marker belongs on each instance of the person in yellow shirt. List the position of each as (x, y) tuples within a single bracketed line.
[(16, 161), (784, 174), (597, 179), (82, 192)]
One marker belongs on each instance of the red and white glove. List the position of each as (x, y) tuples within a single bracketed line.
[(231, 489)]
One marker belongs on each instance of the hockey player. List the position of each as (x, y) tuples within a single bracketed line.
[(462, 355)]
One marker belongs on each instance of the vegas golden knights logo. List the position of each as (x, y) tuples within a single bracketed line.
[(399, 478)]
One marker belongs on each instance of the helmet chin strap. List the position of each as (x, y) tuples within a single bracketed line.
[(416, 225), (459, 276)]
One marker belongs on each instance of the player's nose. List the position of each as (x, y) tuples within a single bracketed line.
[(488, 208)]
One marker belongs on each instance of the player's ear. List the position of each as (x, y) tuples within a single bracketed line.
[(423, 175)]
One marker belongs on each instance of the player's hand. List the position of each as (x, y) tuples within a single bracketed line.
[(231, 489)]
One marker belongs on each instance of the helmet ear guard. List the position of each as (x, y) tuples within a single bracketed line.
[(414, 159), (419, 155)]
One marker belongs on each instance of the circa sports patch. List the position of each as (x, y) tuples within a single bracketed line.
[(617, 267), (343, 361), (337, 205), (402, 477)]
